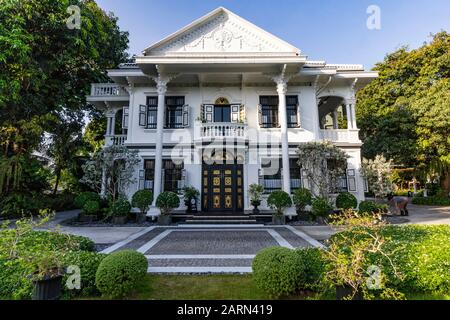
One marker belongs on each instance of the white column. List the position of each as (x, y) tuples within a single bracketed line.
[(282, 115), (335, 119), (349, 116), (353, 111), (161, 86)]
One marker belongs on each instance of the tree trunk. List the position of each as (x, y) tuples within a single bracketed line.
[(445, 183), (58, 177)]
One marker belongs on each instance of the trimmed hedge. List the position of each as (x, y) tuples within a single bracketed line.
[(368, 207), (14, 281), (120, 272), (431, 201), (421, 254), (346, 200), (321, 207), (277, 271)]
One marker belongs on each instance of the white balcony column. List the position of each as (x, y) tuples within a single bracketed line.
[(335, 120), (282, 115), (349, 116), (353, 111), (161, 87)]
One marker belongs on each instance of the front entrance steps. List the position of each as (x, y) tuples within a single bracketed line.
[(221, 219)]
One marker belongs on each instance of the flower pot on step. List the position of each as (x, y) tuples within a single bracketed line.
[(48, 288), (279, 220), (345, 292), (164, 220), (119, 220), (141, 217)]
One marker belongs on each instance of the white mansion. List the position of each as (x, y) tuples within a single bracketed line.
[(222, 104)]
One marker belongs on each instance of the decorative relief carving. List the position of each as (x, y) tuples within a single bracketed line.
[(221, 34)]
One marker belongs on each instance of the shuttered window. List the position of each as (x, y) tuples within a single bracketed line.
[(268, 112)]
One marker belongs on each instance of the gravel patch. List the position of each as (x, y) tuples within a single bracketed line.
[(200, 262)]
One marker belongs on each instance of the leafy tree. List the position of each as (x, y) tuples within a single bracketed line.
[(404, 114), (64, 142), (111, 170), (46, 68), (324, 164), (378, 173)]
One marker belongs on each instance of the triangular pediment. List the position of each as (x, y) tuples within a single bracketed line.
[(220, 31)]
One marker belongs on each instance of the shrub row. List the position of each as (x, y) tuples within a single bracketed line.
[(431, 201)]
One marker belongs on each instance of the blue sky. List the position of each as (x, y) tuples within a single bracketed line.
[(330, 30)]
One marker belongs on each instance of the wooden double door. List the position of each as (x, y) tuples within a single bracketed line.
[(223, 188)]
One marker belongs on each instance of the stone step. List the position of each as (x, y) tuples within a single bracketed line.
[(221, 221)]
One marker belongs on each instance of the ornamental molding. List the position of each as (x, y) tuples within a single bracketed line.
[(222, 33)]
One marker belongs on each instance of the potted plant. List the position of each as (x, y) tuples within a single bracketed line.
[(48, 275), (321, 209), (279, 201), (142, 199), (255, 192), (89, 211), (302, 197), (190, 195), (119, 211), (166, 202)]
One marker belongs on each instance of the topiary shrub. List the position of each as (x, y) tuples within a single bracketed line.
[(142, 199), (368, 207), (88, 263), (120, 272), (91, 208), (346, 200), (302, 197), (279, 201), (84, 197), (277, 271), (314, 268), (321, 208), (167, 201), (120, 208)]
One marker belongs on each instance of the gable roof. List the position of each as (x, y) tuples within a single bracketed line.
[(243, 29)]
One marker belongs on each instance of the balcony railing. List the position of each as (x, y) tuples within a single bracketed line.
[(108, 90), (338, 135), (116, 140), (223, 130)]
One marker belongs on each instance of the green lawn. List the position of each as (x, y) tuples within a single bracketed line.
[(213, 287), (218, 287)]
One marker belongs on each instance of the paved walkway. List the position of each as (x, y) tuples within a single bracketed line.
[(210, 248)]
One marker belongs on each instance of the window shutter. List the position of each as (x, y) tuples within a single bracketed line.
[(182, 182), (142, 116), (261, 177), (299, 120), (186, 115), (235, 113), (141, 179), (351, 180), (242, 113), (125, 117), (366, 184), (260, 118), (208, 112)]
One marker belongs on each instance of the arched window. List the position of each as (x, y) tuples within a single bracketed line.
[(222, 101)]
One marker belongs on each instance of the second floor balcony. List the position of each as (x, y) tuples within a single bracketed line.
[(101, 92), (340, 135), (223, 130)]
